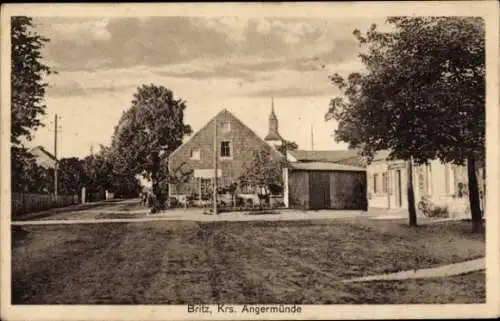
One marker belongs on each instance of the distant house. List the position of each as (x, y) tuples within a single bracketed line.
[(235, 147), (444, 184), (43, 158), (333, 179)]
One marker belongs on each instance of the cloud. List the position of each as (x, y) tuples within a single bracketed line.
[(91, 44), (225, 56)]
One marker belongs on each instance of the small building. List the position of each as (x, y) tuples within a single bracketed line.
[(43, 158), (316, 185), (444, 184)]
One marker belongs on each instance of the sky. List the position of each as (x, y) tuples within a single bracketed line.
[(210, 62)]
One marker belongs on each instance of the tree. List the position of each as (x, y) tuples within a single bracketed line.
[(264, 170), (98, 173), (427, 74), (27, 93), (71, 175), (287, 146), (147, 133)]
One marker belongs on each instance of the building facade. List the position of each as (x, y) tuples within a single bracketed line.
[(325, 185), (444, 185), (235, 144)]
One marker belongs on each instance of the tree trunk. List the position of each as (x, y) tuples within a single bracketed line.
[(411, 196), (475, 206), (154, 181)]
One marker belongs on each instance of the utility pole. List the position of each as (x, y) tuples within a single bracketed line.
[(215, 167), (55, 155), (312, 138)]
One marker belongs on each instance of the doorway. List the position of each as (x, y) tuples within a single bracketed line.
[(319, 190), (399, 200)]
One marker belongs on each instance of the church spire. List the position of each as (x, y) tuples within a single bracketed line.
[(273, 133), (273, 114)]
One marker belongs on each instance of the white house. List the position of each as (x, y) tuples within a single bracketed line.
[(444, 184)]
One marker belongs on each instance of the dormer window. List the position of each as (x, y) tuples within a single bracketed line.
[(195, 154), (225, 127)]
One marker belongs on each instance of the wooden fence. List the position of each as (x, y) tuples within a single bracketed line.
[(23, 203)]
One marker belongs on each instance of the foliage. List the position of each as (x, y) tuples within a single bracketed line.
[(287, 146), (100, 174), (27, 175), (147, 133), (426, 74), (264, 170), (27, 79), (154, 122), (27, 94), (70, 175)]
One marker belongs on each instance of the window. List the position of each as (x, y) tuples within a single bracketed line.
[(384, 183), (375, 178), (225, 149), (248, 189), (195, 154), (421, 180), (429, 179), (225, 126)]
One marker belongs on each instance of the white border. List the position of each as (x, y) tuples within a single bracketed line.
[(486, 9)]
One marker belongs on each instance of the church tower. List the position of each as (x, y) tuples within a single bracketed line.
[(273, 136)]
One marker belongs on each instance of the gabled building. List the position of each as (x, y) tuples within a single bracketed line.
[(43, 158), (235, 147)]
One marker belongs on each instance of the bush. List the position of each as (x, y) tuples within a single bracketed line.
[(174, 202), (279, 204), (239, 201), (439, 211)]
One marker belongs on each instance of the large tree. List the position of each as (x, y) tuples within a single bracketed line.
[(28, 85), (147, 133), (421, 97)]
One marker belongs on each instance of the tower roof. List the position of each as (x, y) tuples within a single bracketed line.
[(274, 135)]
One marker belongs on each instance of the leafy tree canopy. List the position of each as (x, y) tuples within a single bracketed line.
[(27, 79), (422, 95)]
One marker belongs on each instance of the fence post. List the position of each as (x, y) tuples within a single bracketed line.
[(83, 194)]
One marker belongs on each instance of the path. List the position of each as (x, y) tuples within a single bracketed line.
[(198, 216), (441, 271), (87, 207)]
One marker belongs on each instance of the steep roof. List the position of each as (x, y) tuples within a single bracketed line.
[(43, 157), (224, 113), (326, 166), (323, 155)]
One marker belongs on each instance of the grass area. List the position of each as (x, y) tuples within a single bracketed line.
[(460, 289), (172, 262)]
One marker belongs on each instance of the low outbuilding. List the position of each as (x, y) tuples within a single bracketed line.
[(325, 185)]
